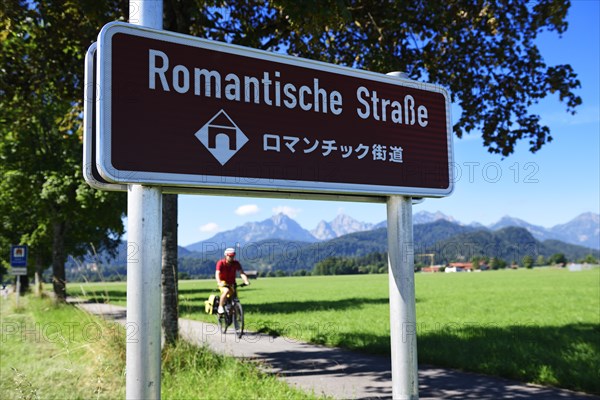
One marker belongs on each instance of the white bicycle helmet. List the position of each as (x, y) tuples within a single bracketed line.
[(229, 251)]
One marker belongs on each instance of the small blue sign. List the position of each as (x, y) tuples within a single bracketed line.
[(18, 256)]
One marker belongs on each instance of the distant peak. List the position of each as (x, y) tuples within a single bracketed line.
[(423, 217), (280, 217), (587, 216), (343, 217)]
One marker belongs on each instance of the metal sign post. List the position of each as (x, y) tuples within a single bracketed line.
[(403, 320), (144, 219), (403, 317)]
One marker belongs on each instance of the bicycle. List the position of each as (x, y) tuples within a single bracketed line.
[(234, 313)]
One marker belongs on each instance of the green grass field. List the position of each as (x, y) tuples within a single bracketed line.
[(540, 325), (51, 351)]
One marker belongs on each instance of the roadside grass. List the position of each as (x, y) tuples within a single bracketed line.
[(540, 325), (52, 351), (191, 372)]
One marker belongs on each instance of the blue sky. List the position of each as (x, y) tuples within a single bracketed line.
[(550, 187)]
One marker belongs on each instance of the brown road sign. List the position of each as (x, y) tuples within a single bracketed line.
[(180, 111)]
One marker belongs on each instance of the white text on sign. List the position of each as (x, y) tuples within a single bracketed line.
[(271, 90)]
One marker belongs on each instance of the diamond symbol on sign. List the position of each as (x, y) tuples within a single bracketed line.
[(221, 137)]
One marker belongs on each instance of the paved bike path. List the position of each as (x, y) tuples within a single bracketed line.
[(344, 374)]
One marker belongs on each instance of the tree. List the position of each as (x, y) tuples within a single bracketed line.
[(48, 205), (590, 259), (279, 273), (483, 52), (558, 258), (540, 261), (497, 263), (170, 288), (527, 261)]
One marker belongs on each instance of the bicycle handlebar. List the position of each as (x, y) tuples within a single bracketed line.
[(236, 285)]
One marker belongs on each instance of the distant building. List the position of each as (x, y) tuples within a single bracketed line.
[(459, 267), (251, 274), (432, 268), (575, 267), (92, 267)]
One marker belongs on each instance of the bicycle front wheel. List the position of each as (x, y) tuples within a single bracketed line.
[(238, 319), (222, 322)]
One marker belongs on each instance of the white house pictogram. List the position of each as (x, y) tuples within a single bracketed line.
[(222, 137)]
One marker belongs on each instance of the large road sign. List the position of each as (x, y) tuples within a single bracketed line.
[(184, 112)]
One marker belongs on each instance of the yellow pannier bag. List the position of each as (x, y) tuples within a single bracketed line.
[(210, 305)]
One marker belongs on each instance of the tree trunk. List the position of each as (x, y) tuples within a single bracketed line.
[(170, 314), (23, 285), (58, 261), (39, 270)]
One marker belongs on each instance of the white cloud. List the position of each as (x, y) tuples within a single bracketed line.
[(248, 209), (211, 227), (289, 211)]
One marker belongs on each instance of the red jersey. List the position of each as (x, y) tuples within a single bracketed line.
[(228, 270)]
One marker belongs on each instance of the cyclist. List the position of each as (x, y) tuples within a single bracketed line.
[(225, 275)]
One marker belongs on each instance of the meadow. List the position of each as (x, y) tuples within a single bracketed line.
[(54, 351), (540, 325)]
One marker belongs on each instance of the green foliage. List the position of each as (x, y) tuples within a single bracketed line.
[(558, 258), (197, 268), (497, 263), (527, 262), (370, 264), (44, 201), (484, 53), (540, 261)]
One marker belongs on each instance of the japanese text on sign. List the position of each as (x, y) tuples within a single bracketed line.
[(376, 152)]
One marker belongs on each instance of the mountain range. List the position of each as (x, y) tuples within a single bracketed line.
[(279, 226), (447, 241), (583, 230), (281, 244)]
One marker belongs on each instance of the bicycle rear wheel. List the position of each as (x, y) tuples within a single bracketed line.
[(238, 319)]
